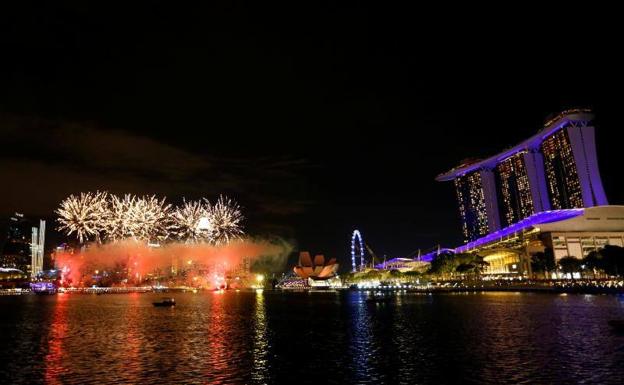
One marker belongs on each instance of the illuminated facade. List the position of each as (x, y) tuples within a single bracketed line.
[(472, 206), (317, 268), (24, 246), (564, 186), (567, 232), (509, 250), (514, 190), (553, 170)]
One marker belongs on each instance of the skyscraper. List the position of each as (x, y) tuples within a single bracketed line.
[(473, 205), (555, 169), (37, 246), (514, 190), (564, 187), (24, 246)]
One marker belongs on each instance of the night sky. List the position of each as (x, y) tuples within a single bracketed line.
[(318, 119)]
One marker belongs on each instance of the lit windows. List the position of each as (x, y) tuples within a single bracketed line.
[(513, 190), (472, 208), (564, 186)]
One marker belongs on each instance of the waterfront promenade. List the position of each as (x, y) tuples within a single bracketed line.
[(583, 286)]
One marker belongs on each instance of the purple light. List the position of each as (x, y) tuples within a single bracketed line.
[(535, 219), (399, 262), (42, 286), (532, 142), (356, 234), (429, 256)]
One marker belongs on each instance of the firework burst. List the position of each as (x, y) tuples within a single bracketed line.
[(191, 222), (103, 216), (150, 219), (84, 215), (225, 219), (117, 223)]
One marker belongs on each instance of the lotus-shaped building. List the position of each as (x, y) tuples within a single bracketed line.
[(317, 268)]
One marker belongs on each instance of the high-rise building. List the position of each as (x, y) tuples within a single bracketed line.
[(555, 169), (564, 186), (37, 247), (472, 207), (544, 193), (17, 251), (513, 190), (24, 246)]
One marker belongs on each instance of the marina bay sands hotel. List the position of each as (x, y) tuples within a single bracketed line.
[(543, 192)]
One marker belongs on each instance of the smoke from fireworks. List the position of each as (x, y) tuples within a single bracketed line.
[(102, 216), (142, 260)]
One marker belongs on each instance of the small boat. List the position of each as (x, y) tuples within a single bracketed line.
[(617, 324), (166, 302), (43, 288)]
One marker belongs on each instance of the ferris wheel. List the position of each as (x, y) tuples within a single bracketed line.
[(357, 250)]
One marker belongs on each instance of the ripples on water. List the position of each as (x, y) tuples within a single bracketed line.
[(272, 337)]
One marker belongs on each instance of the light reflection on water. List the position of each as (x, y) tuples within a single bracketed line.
[(261, 365), (54, 359), (361, 344), (272, 337)]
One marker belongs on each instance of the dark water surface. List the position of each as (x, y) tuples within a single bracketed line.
[(272, 337)]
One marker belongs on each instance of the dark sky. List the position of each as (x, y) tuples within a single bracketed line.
[(317, 118)]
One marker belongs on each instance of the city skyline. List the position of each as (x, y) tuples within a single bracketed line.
[(449, 231), (310, 192), (330, 128)]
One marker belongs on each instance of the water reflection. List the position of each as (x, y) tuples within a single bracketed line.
[(260, 370), (54, 359), (218, 349), (251, 337), (132, 339), (361, 346)]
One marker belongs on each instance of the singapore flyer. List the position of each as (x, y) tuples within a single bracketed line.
[(357, 250)]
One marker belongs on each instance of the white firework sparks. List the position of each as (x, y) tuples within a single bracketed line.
[(83, 215), (118, 220), (150, 219), (225, 218), (191, 222), (103, 216)]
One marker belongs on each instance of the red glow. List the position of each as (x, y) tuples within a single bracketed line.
[(219, 282), (143, 260), (219, 345), (58, 329), (70, 266)]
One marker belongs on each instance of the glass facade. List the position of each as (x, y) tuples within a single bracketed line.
[(471, 202), (16, 252), (564, 186), (513, 190)]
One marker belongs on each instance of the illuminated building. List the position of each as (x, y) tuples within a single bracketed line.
[(11, 274), (557, 168), (526, 198), (37, 247), (317, 268), (568, 232), (16, 252), (475, 199), (24, 246), (564, 187), (514, 190)]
